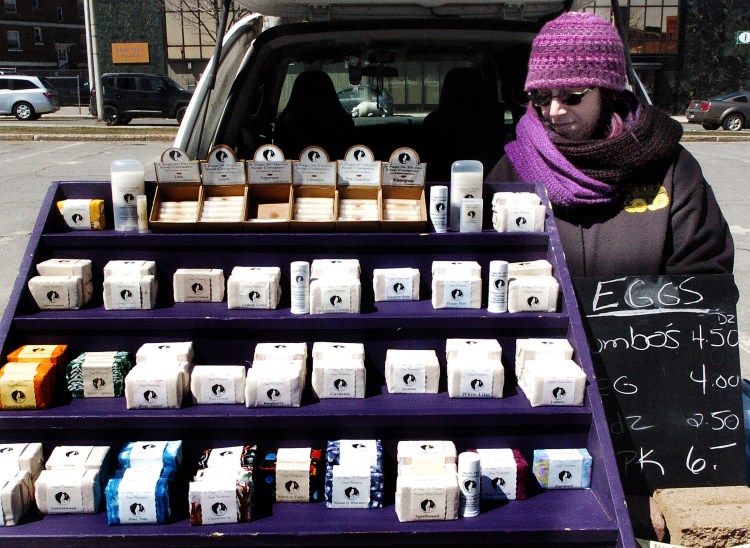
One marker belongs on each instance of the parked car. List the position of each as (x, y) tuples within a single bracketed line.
[(27, 97), (71, 90), (131, 95), (730, 111), (366, 101)]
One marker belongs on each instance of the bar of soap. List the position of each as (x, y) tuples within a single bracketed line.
[(343, 268), (57, 292), (519, 218), (429, 497), (412, 371), (505, 474), (541, 267), (20, 457), (231, 458), (27, 385), (486, 348), (272, 366), (198, 285), (428, 456), (456, 290), (533, 294), (273, 386), (553, 382), (68, 491), (149, 387), (505, 198), (151, 454), (280, 351), (254, 288), (299, 474), (129, 268), (335, 295), (16, 495), (140, 495), (83, 214), (338, 379), (223, 498), (130, 292), (79, 457), (475, 378), (328, 351), (562, 468), (537, 348), (218, 384), (354, 474), (181, 351), (441, 268), (396, 284), (98, 374), (67, 267)]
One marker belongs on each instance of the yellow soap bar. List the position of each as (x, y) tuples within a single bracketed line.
[(83, 214)]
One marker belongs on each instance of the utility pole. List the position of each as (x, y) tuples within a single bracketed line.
[(92, 54)]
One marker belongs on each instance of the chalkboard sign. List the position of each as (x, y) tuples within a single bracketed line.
[(665, 350)]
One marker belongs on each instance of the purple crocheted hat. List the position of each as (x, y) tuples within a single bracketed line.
[(577, 50)]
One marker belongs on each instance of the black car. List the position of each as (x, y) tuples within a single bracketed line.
[(128, 95)]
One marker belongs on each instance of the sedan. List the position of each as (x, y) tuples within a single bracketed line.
[(730, 111)]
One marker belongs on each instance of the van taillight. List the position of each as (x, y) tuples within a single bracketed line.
[(49, 94), (705, 105)]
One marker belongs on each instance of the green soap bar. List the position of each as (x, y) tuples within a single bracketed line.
[(98, 374)]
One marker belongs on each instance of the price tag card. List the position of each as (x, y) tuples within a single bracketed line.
[(404, 169), (269, 167), (359, 168), (175, 166), (223, 168)]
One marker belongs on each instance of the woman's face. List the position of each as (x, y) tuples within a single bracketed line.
[(575, 122)]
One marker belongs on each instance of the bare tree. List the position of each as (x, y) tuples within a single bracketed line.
[(205, 14)]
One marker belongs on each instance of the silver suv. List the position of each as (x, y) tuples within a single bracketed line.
[(27, 97)]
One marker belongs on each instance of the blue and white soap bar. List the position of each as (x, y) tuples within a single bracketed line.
[(354, 474), (149, 454), (138, 496), (68, 491)]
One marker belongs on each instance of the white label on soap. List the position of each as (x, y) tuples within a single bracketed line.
[(197, 288), (98, 381), (427, 502), (476, 383), (293, 484), (560, 391), (565, 469), (398, 285), (225, 457), (77, 214), (153, 393), (10, 454), (358, 450), (335, 299), (274, 392), (499, 481), (457, 293), (532, 298), (58, 297), (72, 456), (409, 378), (350, 487), (339, 383), (125, 294), (219, 505), (64, 493), (217, 388), (254, 295), (137, 501), (521, 218)]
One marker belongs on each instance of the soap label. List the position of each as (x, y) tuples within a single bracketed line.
[(531, 298), (72, 456), (350, 486), (137, 502), (77, 214), (65, 493), (499, 481), (58, 295), (125, 294), (197, 287), (274, 392), (98, 380), (565, 469), (398, 285), (559, 391), (339, 383), (427, 502), (10, 453), (17, 389), (409, 378), (153, 393), (219, 504), (254, 294), (521, 218), (335, 299), (293, 482), (217, 388), (457, 293), (147, 453), (358, 450), (476, 383)]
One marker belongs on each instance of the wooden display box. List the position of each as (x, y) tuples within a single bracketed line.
[(358, 193), (301, 225), (175, 192), (269, 208), (222, 191), (404, 193)]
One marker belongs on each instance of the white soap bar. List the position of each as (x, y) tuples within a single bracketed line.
[(506, 198), (129, 292), (338, 351), (217, 499), (273, 365), (16, 457), (202, 285), (534, 349), (414, 452), (499, 474), (395, 284), (456, 290), (218, 384), (66, 267), (149, 387), (488, 348), (335, 295), (253, 289), (57, 292), (185, 367), (273, 387), (130, 268), (475, 378), (533, 294), (542, 267), (16, 496), (181, 351), (335, 267), (553, 382), (412, 371), (262, 271), (519, 218), (89, 457), (338, 379), (427, 497), (280, 351), (440, 268), (68, 491)]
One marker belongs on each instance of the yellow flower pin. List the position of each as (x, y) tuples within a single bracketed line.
[(644, 198)]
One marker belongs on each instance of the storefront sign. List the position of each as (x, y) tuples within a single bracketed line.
[(130, 52)]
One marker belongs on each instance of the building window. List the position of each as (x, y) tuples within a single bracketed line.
[(10, 6), (187, 37), (38, 35), (60, 14), (35, 4), (14, 40), (652, 25)]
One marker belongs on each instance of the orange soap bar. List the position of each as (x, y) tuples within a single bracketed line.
[(36, 353), (27, 385)]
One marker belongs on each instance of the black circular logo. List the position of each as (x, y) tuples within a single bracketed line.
[(352, 493), (18, 396), (409, 379), (218, 390), (273, 394), (62, 497), (291, 486), (219, 508), (428, 505), (150, 396), (137, 509)]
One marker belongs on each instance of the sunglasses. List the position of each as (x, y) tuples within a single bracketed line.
[(569, 98)]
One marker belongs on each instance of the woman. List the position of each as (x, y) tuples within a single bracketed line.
[(628, 199)]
